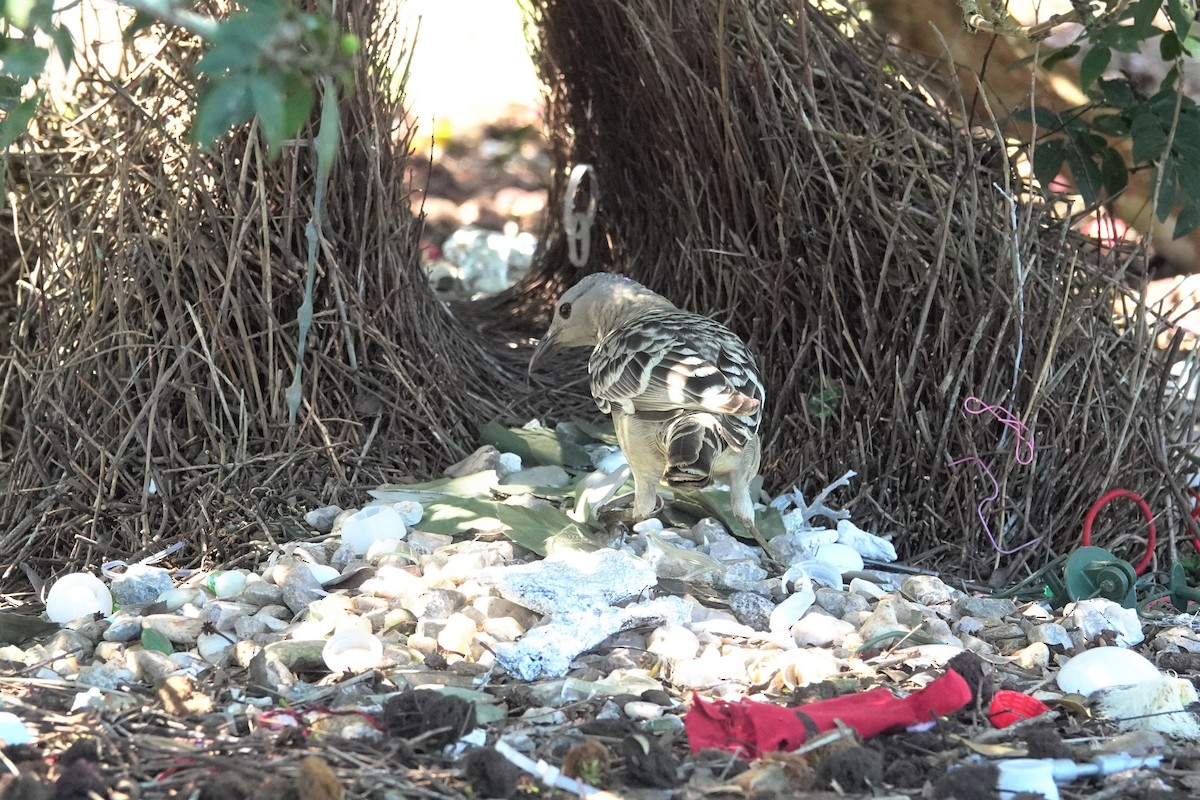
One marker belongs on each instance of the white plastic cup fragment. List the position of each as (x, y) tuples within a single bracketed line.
[(842, 556), (369, 525), (323, 572), (352, 651), (1033, 775), (76, 595), (1106, 668)]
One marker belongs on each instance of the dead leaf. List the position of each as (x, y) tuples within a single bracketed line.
[(316, 781)]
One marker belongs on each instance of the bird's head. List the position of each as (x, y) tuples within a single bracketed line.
[(593, 308)]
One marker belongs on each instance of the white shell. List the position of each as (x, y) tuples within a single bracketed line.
[(76, 595)]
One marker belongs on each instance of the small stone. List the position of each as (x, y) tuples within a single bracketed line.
[(150, 666), (140, 585), (1179, 639), (892, 617), (300, 587), (1053, 634), (457, 634), (178, 630), (926, 589), (485, 458), (752, 610), (985, 607), (819, 630), (436, 604), (642, 710), (104, 676), (673, 643), (840, 603), (124, 628), (111, 651), (425, 542), (410, 512), (67, 649), (1036, 656), (321, 519), (224, 614), (180, 697)]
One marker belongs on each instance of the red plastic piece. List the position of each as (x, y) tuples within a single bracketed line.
[(752, 728), (1009, 707), (1143, 506)]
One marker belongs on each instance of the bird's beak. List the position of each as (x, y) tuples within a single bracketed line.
[(544, 346)]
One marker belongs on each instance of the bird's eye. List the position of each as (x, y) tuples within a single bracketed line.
[(564, 310)]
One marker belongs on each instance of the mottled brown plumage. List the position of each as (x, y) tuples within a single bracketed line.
[(684, 392)]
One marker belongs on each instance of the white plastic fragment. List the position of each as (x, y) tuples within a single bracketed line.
[(1090, 618), (842, 556), (352, 651), (1026, 775), (550, 775), (787, 613), (76, 595), (1105, 668), (323, 572), (371, 524), (13, 730), (868, 545)]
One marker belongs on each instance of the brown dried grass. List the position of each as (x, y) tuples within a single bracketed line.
[(756, 162), (154, 328)]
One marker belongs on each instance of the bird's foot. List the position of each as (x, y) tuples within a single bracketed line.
[(762, 540), (620, 509)]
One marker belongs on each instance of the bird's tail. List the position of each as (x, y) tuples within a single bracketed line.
[(691, 442)]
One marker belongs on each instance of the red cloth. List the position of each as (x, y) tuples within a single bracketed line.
[(1009, 707), (755, 728)]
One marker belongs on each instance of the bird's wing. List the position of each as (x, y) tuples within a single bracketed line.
[(672, 362)]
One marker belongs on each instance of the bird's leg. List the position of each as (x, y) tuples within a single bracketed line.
[(743, 510)]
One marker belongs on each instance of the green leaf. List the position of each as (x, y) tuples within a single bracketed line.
[(227, 57), (1048, 159), (1111, 125), (1093, 66), (64, 43), (141, 23), (1166, 190), (1117, 92), (540, 446), (1182, 14), (16, 122), (1061, 54), (598, 429), (1142, 13), (1188, 219), (1169, 46), (267, 95), (1149, 138), (298, 106), (477, 484), (19, 12), (1113, 171), (225, 103), (716, 503), (23, 60), (1085, 173), (1044, 117), (153, 640), (529, 527)]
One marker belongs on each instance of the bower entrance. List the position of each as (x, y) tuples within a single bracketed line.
[(755, 163)]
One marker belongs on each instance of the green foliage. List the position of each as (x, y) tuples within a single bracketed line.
[(22, 61), (266, 60), (1162, 129), (272, 76)]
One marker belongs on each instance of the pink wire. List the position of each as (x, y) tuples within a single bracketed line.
[(1023, 454)]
